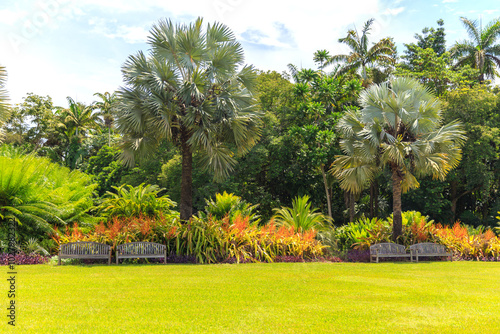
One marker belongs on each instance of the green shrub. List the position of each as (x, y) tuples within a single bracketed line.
[(208, 241), (230, 205), (301, 216), (129, 201), (39, 194)]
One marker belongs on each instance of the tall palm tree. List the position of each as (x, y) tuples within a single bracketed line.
[(105, 107), (321, 57), (78, 118), (191, 90), (361, 55), (399, 127), (480, 52), (4, 98)]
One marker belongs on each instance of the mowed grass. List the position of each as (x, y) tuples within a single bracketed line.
[(437, 297)]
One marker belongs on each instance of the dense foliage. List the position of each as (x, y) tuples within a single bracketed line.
[(205, 109), (208, 240)]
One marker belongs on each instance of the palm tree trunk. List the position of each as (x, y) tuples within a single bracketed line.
[(372, 191), (186, 204), (328, 200), (397, 226), (351, 206)]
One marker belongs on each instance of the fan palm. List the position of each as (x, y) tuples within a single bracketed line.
[(399, 127), (361, 56), (189, 90), (481, 52), (4, 98)]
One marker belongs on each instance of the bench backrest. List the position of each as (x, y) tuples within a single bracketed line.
[(387, 248), (84, 248), (428, 247), (141, 248)]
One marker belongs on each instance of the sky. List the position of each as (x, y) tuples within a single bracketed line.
[(76, 48)]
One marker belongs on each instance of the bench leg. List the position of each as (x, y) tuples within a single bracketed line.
[(117, 261), (59, 260)]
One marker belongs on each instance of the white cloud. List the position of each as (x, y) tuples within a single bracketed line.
[(394, 11), (449, 1), (11, 17), (274, 33), (111, 29)]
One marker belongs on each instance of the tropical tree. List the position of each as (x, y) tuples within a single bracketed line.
[(4, 98), (480, 52), (105, 107), (399, 126), (78, 118), (361, 55), (321, 57), (191, 90)]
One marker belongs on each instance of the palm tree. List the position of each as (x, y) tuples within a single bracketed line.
[(481, 52), (78, 118), (106, 106), (399, 127), (191, 90), (361, 56), (4, 98), (321, 57)]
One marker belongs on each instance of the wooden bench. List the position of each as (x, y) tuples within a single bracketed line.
[(387, 250), (428, 249), (134, 250), (85, 250)]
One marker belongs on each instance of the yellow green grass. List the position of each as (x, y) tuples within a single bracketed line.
[(437, 297)]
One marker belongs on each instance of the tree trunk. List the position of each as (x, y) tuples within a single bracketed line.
[(186, 205), (375, 195), (351, 206), (328, 200), (454, 199), (397, 226), (372, 190)]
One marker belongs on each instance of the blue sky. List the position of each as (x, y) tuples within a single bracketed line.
[(76, 47)]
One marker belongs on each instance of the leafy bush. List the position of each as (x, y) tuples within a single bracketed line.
[(129, 201), (206, 241), (39, 194), (120, 230), (479, 246), (300, 216), (357, 234), (230, 205), (466, 242)]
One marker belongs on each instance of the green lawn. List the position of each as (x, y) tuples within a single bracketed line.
[(438, 297)]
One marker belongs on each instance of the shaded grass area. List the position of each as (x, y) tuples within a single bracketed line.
[(438, 297)]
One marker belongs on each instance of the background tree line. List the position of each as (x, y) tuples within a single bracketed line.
[(299, 114)]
